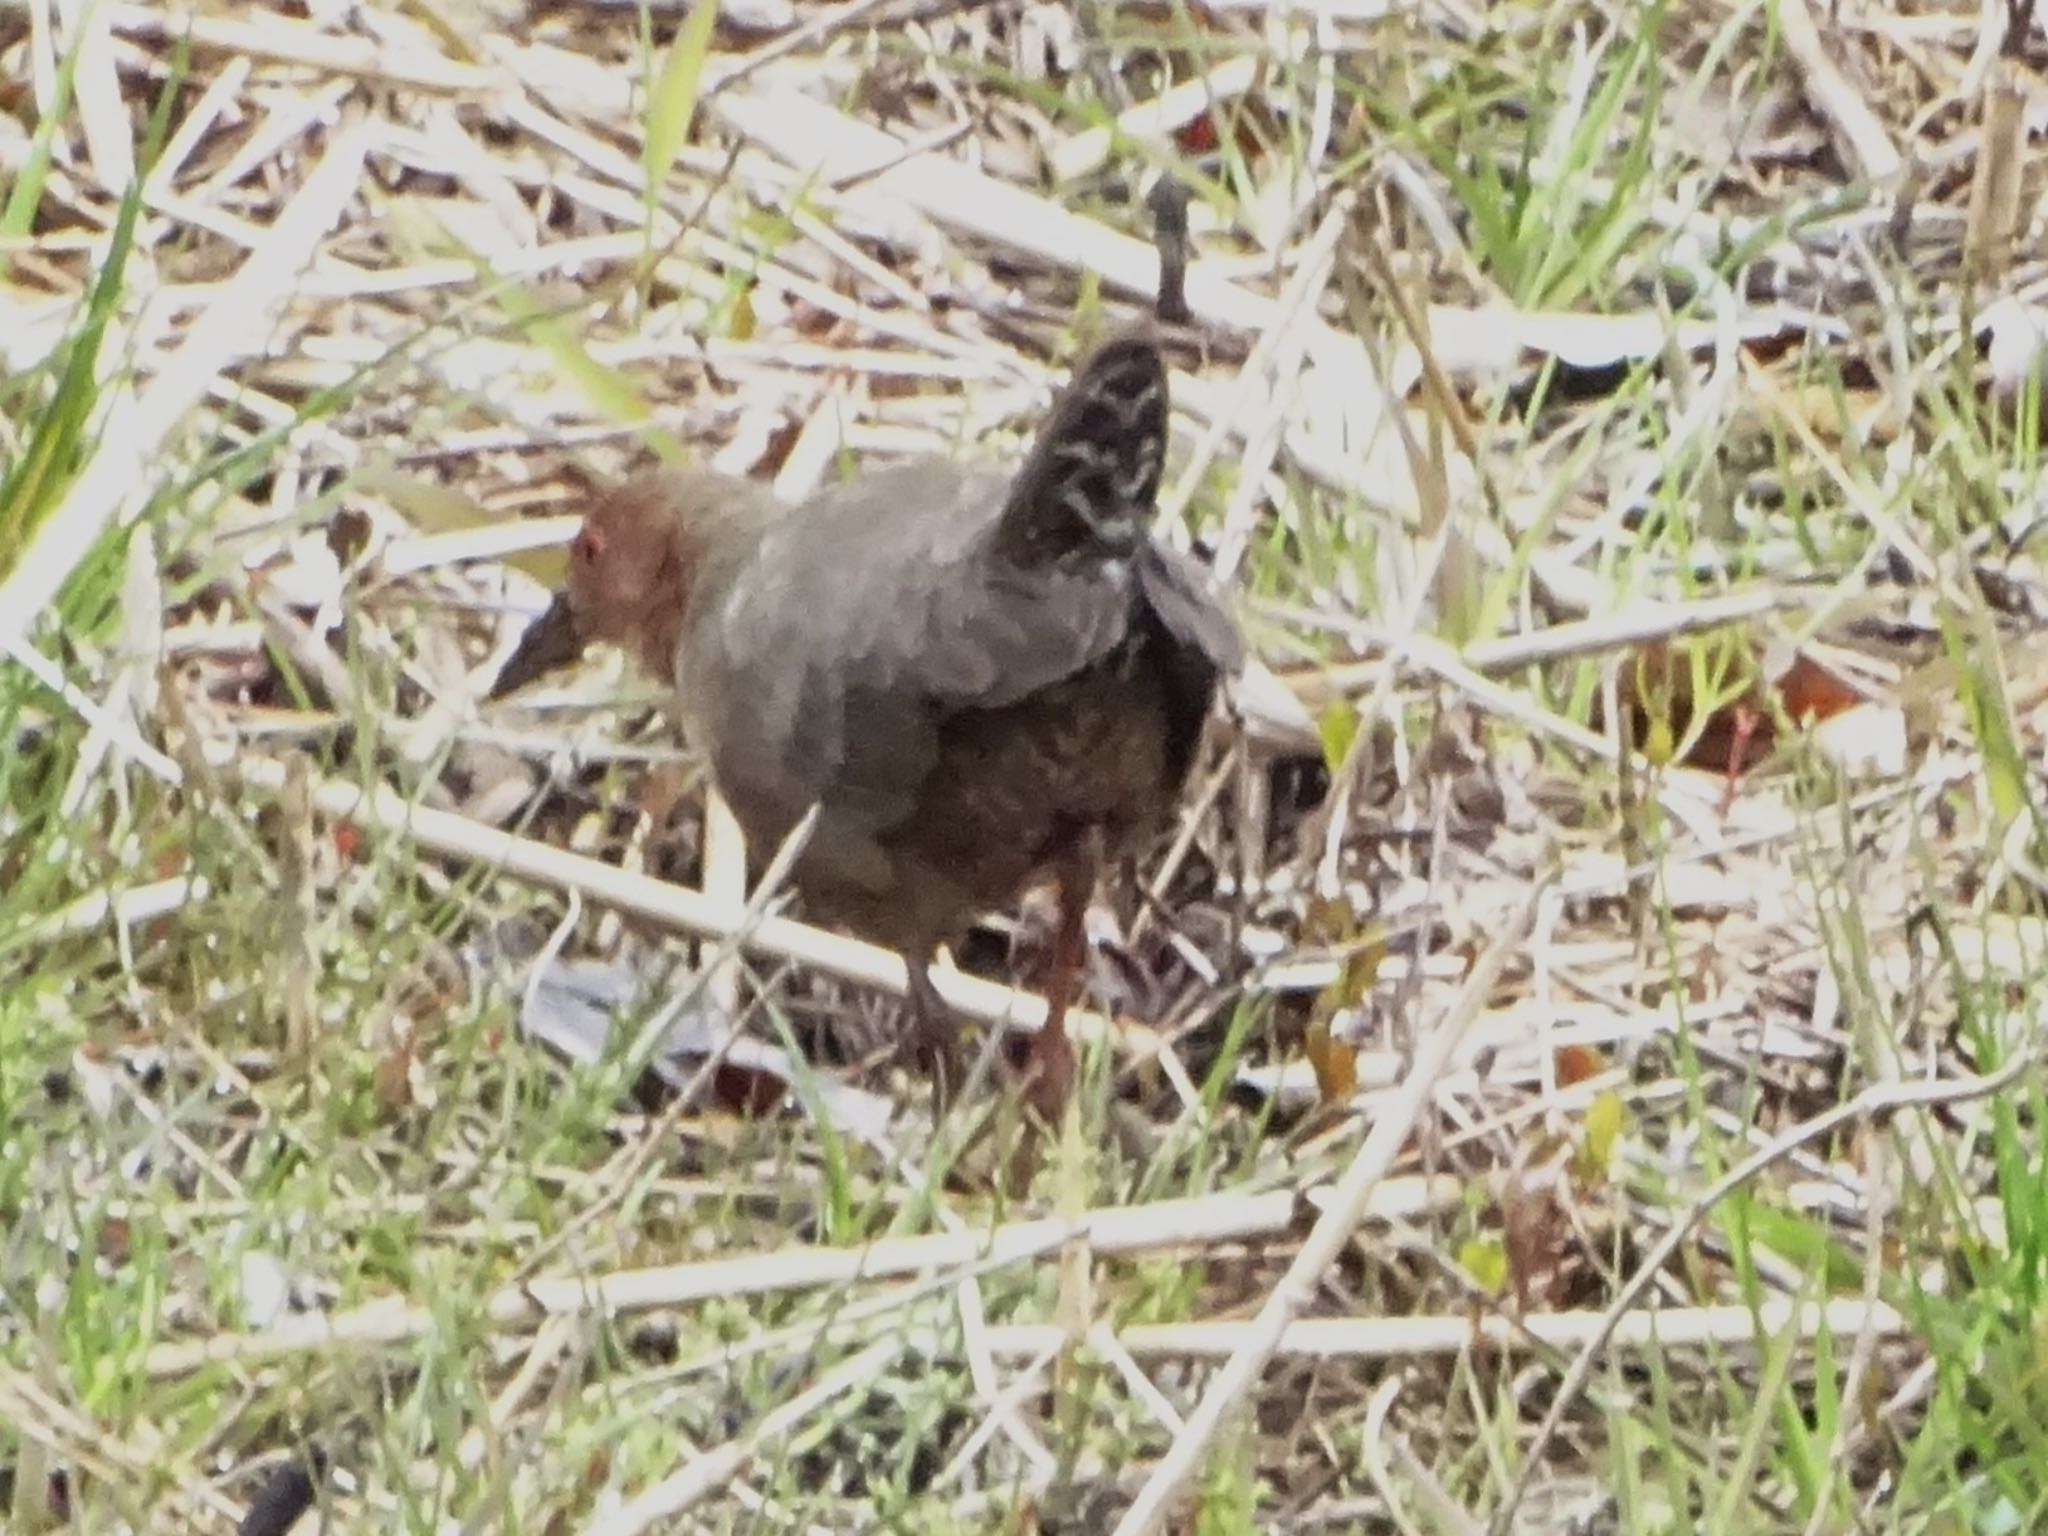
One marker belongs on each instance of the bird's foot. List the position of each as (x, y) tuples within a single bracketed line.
[(932, 1040), (1049, 1069)]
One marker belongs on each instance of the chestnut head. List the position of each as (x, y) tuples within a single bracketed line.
[(631, 568)]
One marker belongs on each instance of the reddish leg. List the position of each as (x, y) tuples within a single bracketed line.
[(1738, 750), (1049, 1067)]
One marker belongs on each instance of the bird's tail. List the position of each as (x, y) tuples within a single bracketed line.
[(1092, 477)]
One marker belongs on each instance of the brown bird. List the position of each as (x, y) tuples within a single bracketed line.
[(981, 680)]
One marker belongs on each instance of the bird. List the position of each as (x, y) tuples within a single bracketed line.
[(980, 678)]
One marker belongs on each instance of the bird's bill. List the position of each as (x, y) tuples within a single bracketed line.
[(552, 640)]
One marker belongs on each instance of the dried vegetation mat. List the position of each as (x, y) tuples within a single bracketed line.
[(1570, 1067)]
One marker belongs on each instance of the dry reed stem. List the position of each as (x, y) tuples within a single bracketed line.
[(1166, 1224)]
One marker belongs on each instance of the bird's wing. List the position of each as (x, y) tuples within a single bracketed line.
[(861, 623), (997, 587), (1177, 592)]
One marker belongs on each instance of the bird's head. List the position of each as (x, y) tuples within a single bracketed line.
[(633, 569)]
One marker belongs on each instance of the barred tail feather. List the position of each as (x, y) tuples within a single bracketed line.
[(1092, 478)]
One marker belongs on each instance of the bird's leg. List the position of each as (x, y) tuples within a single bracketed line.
[(1049, 1067), (934, 1033)]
